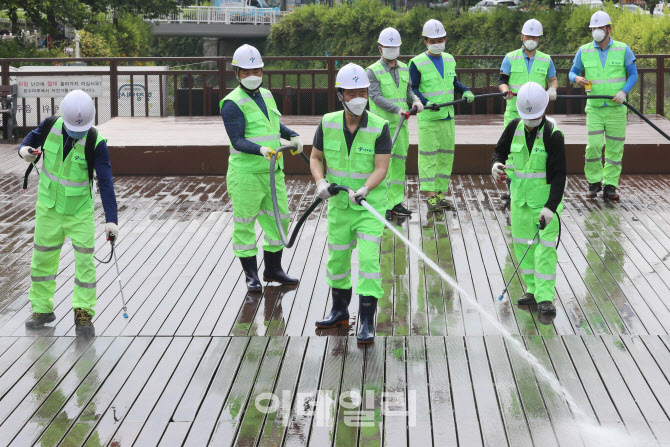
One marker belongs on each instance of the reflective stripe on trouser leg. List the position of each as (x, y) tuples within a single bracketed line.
[(368, 232), (395, 177), (615, 134), (44, 264), (341, 240), (272, 240), (546, 260), (246, 192), (595, 125), (445, 156), (81, 229), (524, 226)]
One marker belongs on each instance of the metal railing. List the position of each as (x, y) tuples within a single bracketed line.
[(212, 14), (300, 85)]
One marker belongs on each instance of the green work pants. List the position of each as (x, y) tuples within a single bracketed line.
[(252, 200), (348, 228), (538, 268), (510, 114), (395, 176), (605, 125), (436, 154), (51, 228)]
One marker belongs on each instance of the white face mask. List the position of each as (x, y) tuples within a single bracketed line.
[(252, 82), (391, 54), (530, 44), (356, 106), (598, 35), (532, 123), (436, 48)]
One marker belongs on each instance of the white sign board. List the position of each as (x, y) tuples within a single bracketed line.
[(58, 86)]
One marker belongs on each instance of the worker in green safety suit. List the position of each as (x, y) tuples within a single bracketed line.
[(65, 209), (390, 94), (433, 76), (531, 152), (357, 148), (523, 65), (251, 119), (606, 64)]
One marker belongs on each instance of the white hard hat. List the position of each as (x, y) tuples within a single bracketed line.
[(433, 28), (532, 27), (389, 37), (531, 101), (247, 57), (352, 76), (78, 111), (600, 18)]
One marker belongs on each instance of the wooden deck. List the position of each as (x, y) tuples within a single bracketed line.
[(196, 360)]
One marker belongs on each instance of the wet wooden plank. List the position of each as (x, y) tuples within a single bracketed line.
[(511, 408), (79, 384), (19, 358), (252, 417), (77, 417), (351, 412), (327, 397), (294, 428), (6, 343), (271, 431), (441, 404), (145, 422), (209, 411), (465, 408), (395, 399), (419, 273), (420, 417), (100, 424), (372, 430)]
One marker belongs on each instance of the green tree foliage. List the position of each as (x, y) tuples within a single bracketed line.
[(130, 38), (353, 28)]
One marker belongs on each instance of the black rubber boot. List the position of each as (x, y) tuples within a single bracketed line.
[(610, 193), (83, 326), (594, 189), (273, 271), (526, 299), (546, 308), (367, 306), (339, 313), (37, 320), (251, 272)]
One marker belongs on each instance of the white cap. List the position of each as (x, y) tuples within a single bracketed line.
[(247, 57), (389, 37), (433, 28), (600, 18), (78, 111), (352, 76), (532, 27), (531, 101)]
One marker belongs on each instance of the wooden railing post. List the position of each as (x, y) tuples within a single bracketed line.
[(331, 84), (114, 88), (660, 85)]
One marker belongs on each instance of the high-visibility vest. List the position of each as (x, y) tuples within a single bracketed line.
[(353, 168), (519, 72), (258, 129), (64, 183), (434, 87), (528, 169), (396, 95), (608, 80)]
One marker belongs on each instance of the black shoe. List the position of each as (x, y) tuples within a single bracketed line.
[(389, 215), (594, 189), (442, 202), (400, 210), (546, 308), (526, 299), (506, 199), (83, 326), (251, 272), (433, 204), (367, 306), (37, 320), (273, 271), (610, 193), (339, 312)]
